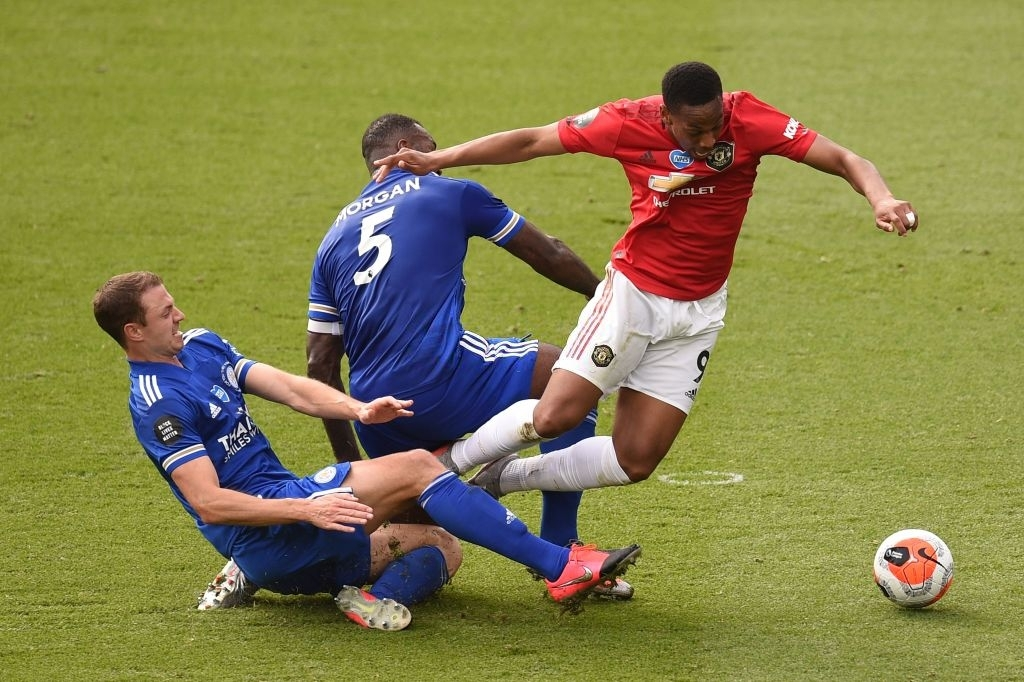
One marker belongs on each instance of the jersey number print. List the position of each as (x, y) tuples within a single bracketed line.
[(368, 240)]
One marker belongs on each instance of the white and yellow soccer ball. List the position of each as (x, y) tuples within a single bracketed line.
[(913, 568)]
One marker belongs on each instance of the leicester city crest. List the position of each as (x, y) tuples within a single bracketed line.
[(227, 373), (602, 356), (325, 475), (720, 157)]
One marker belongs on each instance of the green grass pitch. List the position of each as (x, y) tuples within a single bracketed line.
[(863, 383)]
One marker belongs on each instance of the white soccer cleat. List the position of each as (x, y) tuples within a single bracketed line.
[(362, 608), (229, 588), (616, 590)]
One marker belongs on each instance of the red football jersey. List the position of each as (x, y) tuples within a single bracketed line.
[(687, 212)]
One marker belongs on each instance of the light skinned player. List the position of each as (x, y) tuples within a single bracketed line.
[(320, 533), (690, 155)]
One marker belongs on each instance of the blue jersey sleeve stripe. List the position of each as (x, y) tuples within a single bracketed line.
[(508, 228), (317, 310), (181, 456), (242, 368)]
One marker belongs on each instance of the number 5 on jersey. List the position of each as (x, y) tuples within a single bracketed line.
[(368, 240)]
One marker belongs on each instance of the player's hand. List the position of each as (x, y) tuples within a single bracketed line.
[(896, 215), (383, 410), (408, 159), (339, 511)]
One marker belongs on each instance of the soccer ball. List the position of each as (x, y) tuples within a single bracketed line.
[(913, 568)]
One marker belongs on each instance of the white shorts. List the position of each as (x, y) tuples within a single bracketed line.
[(649, 343)]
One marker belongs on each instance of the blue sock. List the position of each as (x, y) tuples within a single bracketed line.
[(561, 509), (472, 515), (414, 577)]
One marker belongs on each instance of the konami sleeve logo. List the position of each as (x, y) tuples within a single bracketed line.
[(791, 128), (168, 429)]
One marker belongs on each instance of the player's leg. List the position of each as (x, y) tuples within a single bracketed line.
[(658, 394), (567, 400), (643, 431), (596, 353), (388, 484), (559, 509), (407, 564), (547, 355), (472, 515), (664, 353), (410, 562)]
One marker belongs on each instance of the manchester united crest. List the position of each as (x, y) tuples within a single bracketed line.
[(720, 157), (602, 356)]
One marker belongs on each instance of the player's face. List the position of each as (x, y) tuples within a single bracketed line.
[(160, 337), (696, 128)]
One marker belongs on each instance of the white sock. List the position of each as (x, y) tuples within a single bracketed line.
[(511, 430), (590, 463)]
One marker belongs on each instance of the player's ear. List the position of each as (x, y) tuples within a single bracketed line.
[(133, 331)]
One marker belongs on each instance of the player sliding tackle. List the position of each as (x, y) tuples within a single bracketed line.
[(321, 533), (691, 156)]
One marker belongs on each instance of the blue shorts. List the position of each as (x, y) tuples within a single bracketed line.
[(485, 382), (299, 558)]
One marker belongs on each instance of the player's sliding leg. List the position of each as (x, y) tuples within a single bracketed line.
[(472, 515)]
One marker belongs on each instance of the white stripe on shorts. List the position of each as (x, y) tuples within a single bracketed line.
[(594, 321), (489, 352)]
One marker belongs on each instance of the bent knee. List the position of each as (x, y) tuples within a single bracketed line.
[(553, 423), (425, 462), (637, 466)]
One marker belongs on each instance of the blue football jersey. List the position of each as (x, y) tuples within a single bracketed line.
[(389, 272), (183, 413)]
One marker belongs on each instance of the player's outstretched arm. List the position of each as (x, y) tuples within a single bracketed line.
[(510, 146), (552, 258), (891, 214), (317, 399)]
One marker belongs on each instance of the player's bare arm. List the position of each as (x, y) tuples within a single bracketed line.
[(318, 399), (510, 146), (891, 214), (198, 482), (323, 363), (553, 259)]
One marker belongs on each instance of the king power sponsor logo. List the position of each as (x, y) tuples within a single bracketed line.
[(243, 433)]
